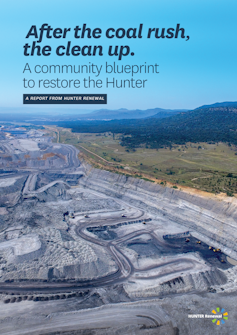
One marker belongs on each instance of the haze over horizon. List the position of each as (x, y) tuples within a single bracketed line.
[(75, 109)]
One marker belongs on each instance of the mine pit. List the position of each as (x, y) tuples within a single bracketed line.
[(66, 247), (178, 246)]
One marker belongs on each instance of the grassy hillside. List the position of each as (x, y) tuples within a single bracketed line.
[(208, 167), (218, 124), (196, 148)]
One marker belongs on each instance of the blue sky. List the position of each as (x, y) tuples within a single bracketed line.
[(192, 73)]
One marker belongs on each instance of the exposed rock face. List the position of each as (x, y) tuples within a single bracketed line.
[(11, 191), (202, 282), (37, 240), (212, 220)]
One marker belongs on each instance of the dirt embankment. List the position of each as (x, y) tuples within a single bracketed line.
[(133, 173)]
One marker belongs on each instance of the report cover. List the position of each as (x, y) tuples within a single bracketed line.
[(118, 182)]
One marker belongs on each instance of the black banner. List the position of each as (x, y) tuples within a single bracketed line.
[(62, 99)]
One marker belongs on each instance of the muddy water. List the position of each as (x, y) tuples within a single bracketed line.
[(231, 260)]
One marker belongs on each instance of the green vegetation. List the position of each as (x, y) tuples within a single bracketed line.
[(196, 149), (206, 166), (210, 125)]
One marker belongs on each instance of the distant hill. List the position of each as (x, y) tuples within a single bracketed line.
[(215, 124), (167, 113), (63, 114), (123, 113), (220, 104)]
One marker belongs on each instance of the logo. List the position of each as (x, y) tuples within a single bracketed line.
[(218, 315), (224, 316)]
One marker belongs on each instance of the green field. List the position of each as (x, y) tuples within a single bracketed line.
[(208, 167)]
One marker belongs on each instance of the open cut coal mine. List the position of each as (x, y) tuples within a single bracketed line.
[(86, 251)]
